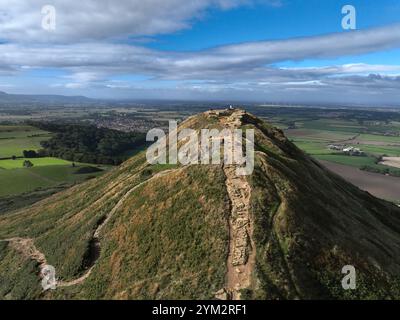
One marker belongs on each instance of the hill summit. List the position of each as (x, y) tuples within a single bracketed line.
[(142, 231)]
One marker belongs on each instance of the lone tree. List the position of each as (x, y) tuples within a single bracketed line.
[(27, 164)]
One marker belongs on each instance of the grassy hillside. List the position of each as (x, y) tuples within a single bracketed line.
[(183, 256), (311, 223), (165, 231), (169, 241), (18, 278)]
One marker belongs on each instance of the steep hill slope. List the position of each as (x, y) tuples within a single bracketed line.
[(199, 231)]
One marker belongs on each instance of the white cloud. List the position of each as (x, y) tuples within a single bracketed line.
[(243, 60), (317, 47), (86, 46), (88, 20)]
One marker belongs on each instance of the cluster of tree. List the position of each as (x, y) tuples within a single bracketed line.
[(87, 143), (32, 154)]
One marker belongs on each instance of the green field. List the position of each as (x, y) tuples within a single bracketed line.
[(312, 147), (37, 162), (46, 172), (17, 181), (15, 139), (379, 138), (347, 160), (321, 152), (314, 135), (391, 151)]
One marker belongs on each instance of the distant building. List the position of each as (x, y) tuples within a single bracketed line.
[(349, 150), (353, 151), (335, 147)]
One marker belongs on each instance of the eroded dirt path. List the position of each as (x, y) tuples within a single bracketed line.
[(27, 248), (242, 253), (241, 257)]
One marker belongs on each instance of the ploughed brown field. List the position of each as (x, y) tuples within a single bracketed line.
[(391, 161), (379, 185)]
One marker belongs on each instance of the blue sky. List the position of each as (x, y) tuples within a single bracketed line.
[(294, 18), (253, 50)]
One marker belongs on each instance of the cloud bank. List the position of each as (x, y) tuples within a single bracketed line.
[(89, 45), (93, 20)]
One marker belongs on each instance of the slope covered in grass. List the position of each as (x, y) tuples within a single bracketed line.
[(168, 235), (310, 223)]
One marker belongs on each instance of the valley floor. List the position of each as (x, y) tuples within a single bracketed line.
[(381, 186)]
